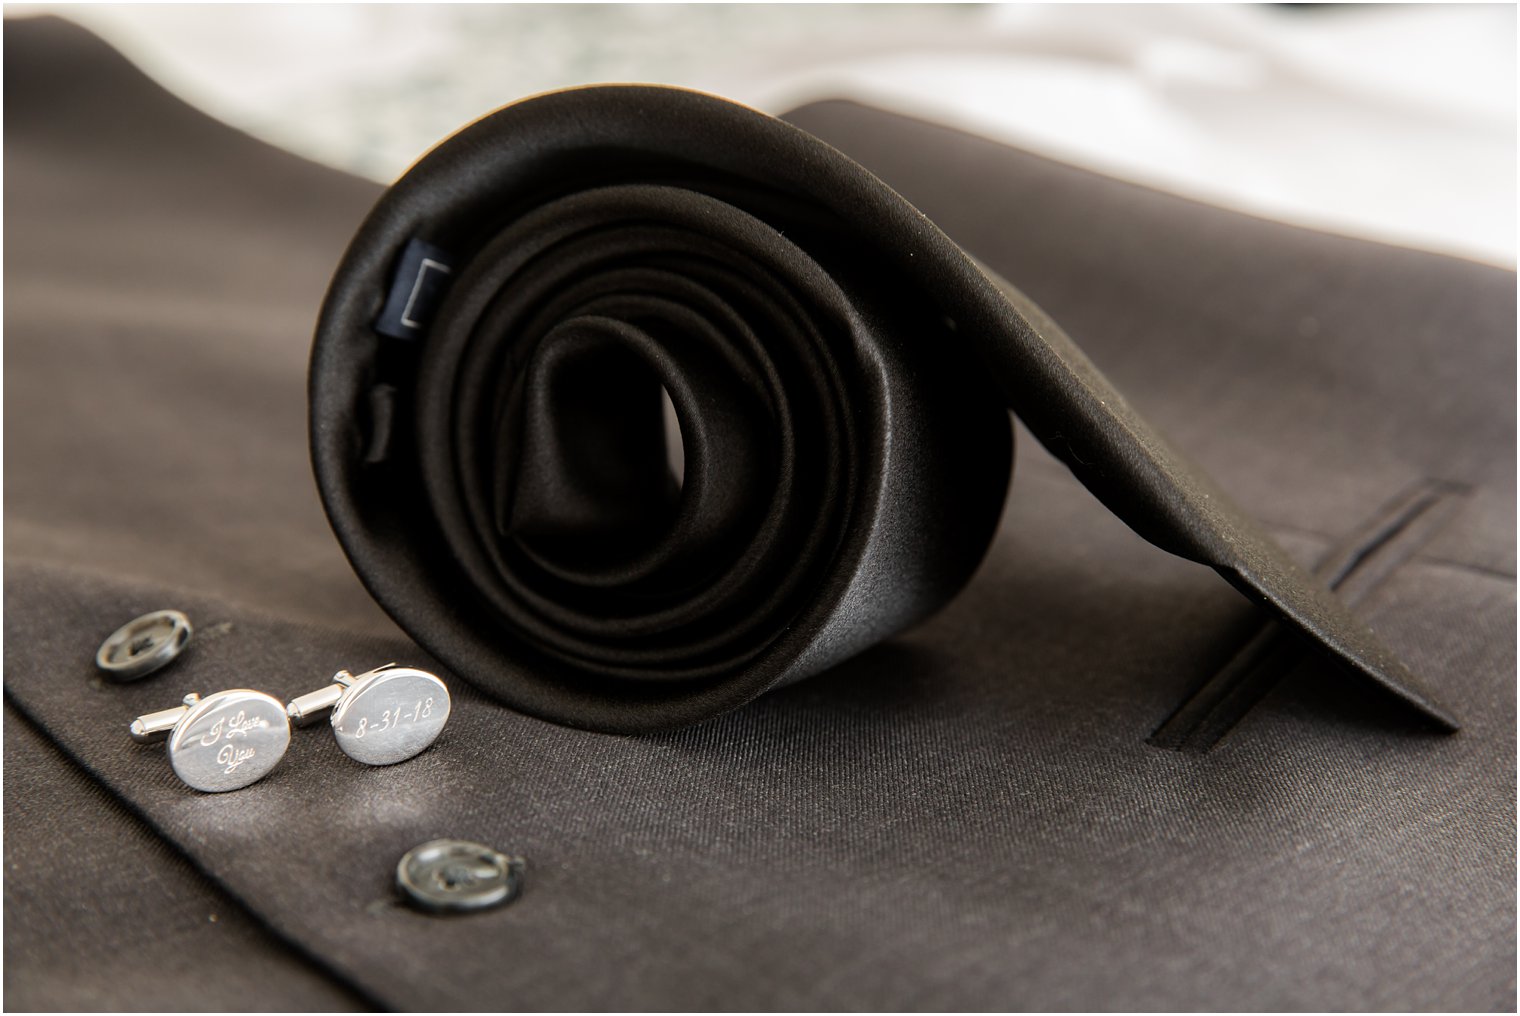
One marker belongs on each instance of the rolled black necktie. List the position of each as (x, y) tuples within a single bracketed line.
[(489, 431)]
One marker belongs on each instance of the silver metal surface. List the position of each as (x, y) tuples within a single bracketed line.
[(382, 716), (313, 706), (144, 645), (452, 876), (155, 727), (222, 742)]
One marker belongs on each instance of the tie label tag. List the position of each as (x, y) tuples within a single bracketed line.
[(422, 277)]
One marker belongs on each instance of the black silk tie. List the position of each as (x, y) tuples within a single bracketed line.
[(489, 435)]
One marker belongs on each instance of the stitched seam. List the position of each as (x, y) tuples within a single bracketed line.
[(1354, 567), (1430, 559)]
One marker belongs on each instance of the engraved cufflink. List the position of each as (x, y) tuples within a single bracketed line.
[(382, 716), (221, 742)]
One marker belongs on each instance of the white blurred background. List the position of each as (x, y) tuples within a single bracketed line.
[(1394, 123)]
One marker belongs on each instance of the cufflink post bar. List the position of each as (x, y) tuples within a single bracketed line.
[(155, 727), (304, 710)]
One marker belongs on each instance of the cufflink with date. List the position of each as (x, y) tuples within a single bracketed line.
[(221, 742), (380, 717)]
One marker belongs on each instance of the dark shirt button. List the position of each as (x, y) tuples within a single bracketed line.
[(141, 647), (448, 876)]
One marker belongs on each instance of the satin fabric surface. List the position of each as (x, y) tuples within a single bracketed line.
[(490, 453)]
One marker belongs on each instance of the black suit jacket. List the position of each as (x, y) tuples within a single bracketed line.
[(969, 816)]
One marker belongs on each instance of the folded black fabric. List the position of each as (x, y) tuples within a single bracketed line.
[(487, 425)]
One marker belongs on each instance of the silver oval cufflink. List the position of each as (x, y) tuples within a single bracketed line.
[(382, 716), (221, 742)]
